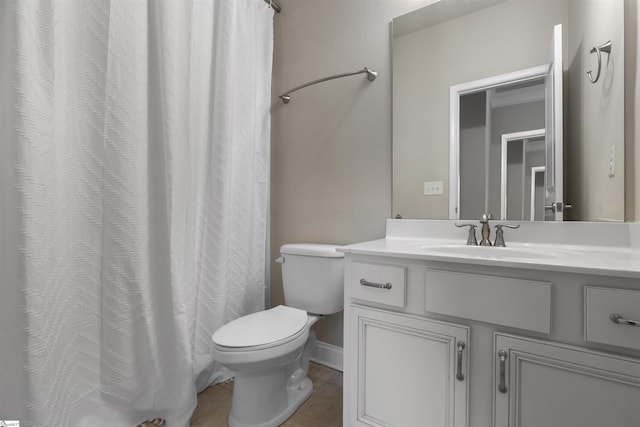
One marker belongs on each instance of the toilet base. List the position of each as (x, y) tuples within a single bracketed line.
[(270, 384), (285, 406)]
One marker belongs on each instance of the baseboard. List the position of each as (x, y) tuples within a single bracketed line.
[(328, 355)]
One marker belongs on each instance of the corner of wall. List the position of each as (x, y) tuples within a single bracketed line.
[(632, 105)]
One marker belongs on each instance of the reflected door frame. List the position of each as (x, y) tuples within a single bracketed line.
[(506, 138), (455, 92), (534, 171)]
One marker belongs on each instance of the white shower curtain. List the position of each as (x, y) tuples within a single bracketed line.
[(134, 183)]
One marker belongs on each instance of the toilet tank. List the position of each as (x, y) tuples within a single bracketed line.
[(313, 277)]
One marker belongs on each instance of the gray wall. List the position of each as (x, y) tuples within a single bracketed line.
[(473, 137), (594, 195), (633, 197), (331, 145), (632, 109), (514, 118)]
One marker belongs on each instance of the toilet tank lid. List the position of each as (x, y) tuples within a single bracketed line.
[(311, 249)]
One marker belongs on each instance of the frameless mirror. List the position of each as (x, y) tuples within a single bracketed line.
[(488, 159)]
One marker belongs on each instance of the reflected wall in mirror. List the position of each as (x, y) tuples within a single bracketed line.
[(522, 176), (500, 137), (435, 50)]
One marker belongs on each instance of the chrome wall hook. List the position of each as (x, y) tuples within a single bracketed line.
[(606, 48)]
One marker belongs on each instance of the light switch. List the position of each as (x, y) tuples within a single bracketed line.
[(432, 188)]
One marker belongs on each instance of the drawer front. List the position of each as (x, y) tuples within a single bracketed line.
[(523, 304), (383, 284), (600, 304)]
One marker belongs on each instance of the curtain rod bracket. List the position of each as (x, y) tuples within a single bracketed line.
[(273, 5)]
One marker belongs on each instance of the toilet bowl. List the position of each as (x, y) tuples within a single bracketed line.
[(269, 351)]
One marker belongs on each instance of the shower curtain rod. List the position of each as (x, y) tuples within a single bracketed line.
[(371, 76), (274, 5)]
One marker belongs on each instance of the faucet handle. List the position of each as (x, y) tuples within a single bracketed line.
[(499, 226), (471, 239), (500, 234)]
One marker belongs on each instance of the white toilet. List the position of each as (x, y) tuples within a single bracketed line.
[(269, 350)]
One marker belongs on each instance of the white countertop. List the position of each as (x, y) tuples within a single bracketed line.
[(573, 248)]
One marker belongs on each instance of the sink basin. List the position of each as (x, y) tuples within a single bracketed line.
[(490, 252)]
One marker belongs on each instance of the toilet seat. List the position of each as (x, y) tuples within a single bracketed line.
[(264, 329)]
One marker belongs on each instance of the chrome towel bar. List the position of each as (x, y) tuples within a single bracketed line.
[(371, 76)]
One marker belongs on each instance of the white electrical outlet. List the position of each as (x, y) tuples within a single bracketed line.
[(612, 160), (432, 188)]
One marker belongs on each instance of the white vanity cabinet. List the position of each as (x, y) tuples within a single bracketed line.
[(540, 383), (405, 370), (402, 369), (566, 363)]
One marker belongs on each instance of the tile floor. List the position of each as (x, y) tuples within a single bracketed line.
[(322, 409)]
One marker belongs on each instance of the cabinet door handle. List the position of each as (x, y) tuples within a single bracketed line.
[(459, 374), (502, 355), (617, 318), (364, 282)]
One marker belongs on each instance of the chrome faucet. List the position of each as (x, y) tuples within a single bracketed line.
[(486, 230), (500, 234), (471, 238)]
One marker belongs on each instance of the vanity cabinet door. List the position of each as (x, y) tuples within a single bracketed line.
[(539, 384), (406, 371)]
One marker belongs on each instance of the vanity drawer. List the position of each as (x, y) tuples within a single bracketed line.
[(383, 284), (600, 304), (523, 304)]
